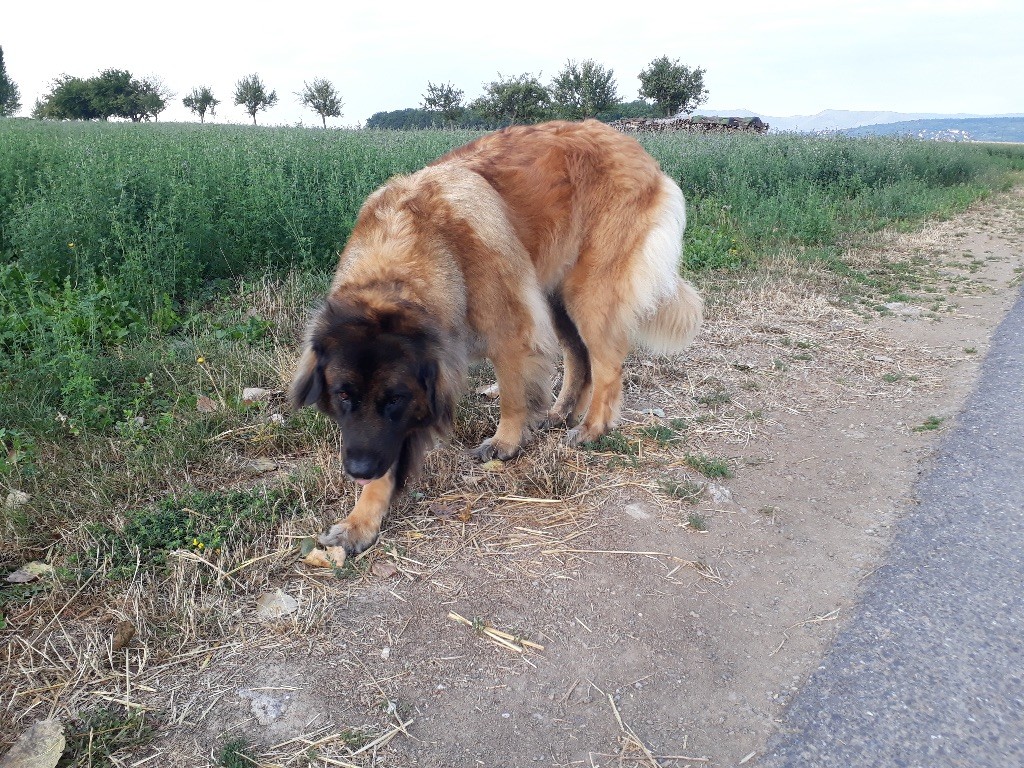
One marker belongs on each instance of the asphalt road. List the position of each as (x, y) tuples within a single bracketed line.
[(930, 671)]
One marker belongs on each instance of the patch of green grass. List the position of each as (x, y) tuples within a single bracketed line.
[(236, 754), (930, 424), (715, 398), (891, 378), (709, 466), (613, 442), (684, 490), (101, 736), (201, 522), (662, 434), (971, 350), (697, 521)]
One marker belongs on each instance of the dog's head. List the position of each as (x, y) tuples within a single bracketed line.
[(375, 372)]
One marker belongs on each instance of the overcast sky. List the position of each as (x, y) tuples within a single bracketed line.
[(775, 57)]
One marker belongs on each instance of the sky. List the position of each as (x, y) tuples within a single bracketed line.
[(784, 57)]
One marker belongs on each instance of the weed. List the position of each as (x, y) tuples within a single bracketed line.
[(613, 442), (684, 490), (100, 736), (697, 521), (892, 378), (709, 467), (931, 423), (236, 754), (661, 434), (202, 522), (971, 350)]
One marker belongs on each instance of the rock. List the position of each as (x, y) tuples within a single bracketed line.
[(41, 746), (15, 499), (719, 493), (636, 511), (903, 310), (384, 569), (274, 605), (653, 412), (30, 572), (276, 418), (255, 394), (488, 390), (265, 708), (123, 634)]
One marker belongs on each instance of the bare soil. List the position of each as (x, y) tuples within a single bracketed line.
[(663, 644)]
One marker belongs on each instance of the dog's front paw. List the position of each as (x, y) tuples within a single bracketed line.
[(354, 537), (492, 448), (581, 434)]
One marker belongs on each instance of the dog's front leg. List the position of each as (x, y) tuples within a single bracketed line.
[(360, 529)]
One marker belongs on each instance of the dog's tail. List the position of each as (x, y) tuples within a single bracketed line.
[(675, 321), (669, 309)]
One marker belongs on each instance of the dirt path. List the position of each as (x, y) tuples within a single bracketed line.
[(659, 639)]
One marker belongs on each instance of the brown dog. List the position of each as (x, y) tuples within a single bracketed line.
[(523, 239)]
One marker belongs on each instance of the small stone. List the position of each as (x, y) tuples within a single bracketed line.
[(653, 412), (30, 572), (276, 418), (255, 394), (488, 390), (41, 746), (274, 605), (15, 499), (385, 653), (636, 512), (719, 493)]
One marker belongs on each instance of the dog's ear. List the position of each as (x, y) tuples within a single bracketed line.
[(427, 377), (308, 383)]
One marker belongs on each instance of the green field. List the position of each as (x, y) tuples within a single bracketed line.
[(142, 266), (149, 273)]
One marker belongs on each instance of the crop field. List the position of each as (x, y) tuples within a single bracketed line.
[(150, 273)]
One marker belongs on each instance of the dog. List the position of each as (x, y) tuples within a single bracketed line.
[(526, 239)]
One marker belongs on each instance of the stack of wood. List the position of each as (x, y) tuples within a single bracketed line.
[(697, 124)]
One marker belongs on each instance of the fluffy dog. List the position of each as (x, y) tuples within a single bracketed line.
[(520, 241)]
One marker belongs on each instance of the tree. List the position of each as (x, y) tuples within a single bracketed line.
[(444, 99), (201, 101), (112, 93), (9, 94), (583, 90), (520, 99), (70, 98), (674, 87), (250, 92), (153, 95), (321, 97)]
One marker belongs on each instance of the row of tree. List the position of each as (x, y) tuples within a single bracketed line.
[(580, 90)]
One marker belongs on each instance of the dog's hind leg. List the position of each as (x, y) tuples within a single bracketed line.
[(360, 529), (574, 395), (608, 347)]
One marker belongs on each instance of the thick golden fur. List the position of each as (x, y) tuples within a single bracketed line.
[(527, 238)]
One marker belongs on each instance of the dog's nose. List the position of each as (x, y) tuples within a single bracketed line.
[(362, 466)]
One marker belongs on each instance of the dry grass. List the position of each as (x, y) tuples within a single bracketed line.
[(776, 341)]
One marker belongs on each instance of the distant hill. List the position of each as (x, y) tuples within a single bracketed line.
[(950, 129), (841, 119)]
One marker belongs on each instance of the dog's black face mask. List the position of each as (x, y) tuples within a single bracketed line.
[(375, 381)]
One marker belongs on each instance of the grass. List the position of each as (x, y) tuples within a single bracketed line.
[(236, 754), (99, 736), (144, 268), (709, 466), (684, 490), (930, 424)]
